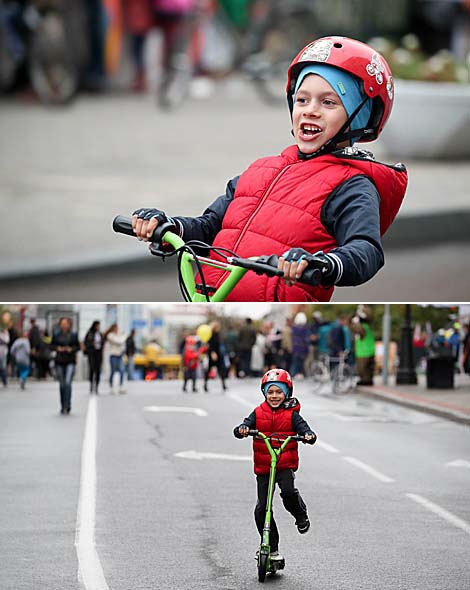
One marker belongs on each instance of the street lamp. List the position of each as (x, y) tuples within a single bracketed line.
[(406, 374)]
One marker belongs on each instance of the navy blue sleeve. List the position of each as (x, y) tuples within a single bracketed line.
[(249, 421), (207, 226), (299, 425), (352, 215)]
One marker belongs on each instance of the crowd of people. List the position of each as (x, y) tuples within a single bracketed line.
[(238, 350), (36, 353)]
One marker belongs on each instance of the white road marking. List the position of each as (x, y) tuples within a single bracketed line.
[(181, 409), (90, 572), (448, 516), (199, 456), (368, 469), (458, 463), (326, 447), (241, 401)]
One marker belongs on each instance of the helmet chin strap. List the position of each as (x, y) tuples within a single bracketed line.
[(340, 137)]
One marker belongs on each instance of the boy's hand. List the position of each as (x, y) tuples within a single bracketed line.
[(243, 430), (310, 438), (296, 260), (145, 222), (292, 270)]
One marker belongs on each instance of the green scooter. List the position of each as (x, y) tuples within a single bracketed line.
[(265, 564)]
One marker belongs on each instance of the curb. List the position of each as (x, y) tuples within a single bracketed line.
[(418, 403)]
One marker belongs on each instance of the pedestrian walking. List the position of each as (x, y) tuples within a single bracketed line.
[(130, 353), (300, 344), (4, 346), (191, 350), (116, 343), (364, 346), (65, 344), (34, 337), (246, 341), (21, 352), (93, 349), (215, 357)]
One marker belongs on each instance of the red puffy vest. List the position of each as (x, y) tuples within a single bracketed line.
[(277, 205), (279, 421)]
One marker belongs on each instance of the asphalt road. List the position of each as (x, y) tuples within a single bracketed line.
[(172, 506), (418, 274)]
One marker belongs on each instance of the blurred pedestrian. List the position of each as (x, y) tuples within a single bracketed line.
[(190, 351), (34, 337), (43, 358), (21, 351), (258, 352), (93, 349), (4, 342), (466, 350), (285, 352), (130, 353), (300, 344), (339, 340), (364, 346), (246, 340), (138, 21), (116, 343), (215, 357), (66, 345)]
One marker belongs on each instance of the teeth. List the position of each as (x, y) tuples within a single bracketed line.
[(312, 128)]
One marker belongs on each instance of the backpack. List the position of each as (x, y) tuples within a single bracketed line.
[(173, 6)]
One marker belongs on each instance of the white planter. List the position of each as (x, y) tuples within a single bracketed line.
[(429, 120)]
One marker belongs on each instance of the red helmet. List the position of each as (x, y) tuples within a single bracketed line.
[(278, 377), (358, 59)]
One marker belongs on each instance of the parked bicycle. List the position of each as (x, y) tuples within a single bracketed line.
[(266, 40), (190, 259), (35, 39), (334, 372)]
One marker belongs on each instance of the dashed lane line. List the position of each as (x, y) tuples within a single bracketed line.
[(368, 469), (442, 512)]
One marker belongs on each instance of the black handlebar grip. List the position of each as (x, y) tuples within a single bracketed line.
[(123, 225), (310, 276)]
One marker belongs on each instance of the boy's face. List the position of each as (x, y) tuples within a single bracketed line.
[(318, 114), (275, 396)]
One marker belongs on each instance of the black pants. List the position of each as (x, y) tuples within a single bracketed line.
[(291, 499), (95, 359), (189, 375)]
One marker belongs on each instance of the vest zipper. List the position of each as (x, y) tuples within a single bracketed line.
[(258, 207)]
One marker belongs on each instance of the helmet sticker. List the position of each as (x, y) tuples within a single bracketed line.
[(317, 51), (271, 376), (390, 88), (376, 68)]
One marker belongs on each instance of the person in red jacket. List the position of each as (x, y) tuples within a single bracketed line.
[(322, 203), (279, 414)]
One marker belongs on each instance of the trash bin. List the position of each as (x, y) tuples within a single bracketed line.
[(440, 372)]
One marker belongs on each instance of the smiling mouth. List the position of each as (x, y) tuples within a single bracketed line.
[(310, 130)]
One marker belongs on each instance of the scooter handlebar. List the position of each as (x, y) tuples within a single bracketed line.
[(297, 437), (123, 225)]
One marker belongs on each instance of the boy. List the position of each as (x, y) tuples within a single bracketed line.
[(279, 414), (321, 203)]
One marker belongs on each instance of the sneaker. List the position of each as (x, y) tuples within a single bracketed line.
[(303, 525), (276, 556), (122, 390)]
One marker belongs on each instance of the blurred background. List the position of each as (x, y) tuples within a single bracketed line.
[(108, 105)]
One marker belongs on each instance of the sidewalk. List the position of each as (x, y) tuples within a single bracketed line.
[(452, 404)]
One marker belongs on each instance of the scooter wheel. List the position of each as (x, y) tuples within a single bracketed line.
[(262, 567)]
